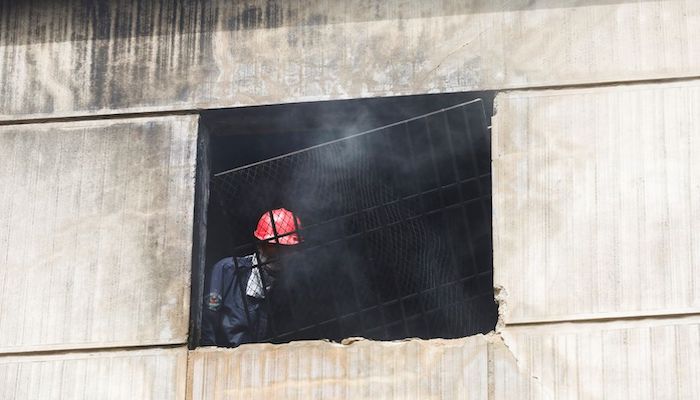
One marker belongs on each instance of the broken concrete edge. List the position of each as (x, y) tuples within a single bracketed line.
[(345, 343), (500, 295), (493, 339), (493, 361), (500, 343)]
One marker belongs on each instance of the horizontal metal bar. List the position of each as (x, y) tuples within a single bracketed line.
[(405, 121)]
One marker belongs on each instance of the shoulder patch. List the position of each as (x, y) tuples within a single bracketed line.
[(213, 301)]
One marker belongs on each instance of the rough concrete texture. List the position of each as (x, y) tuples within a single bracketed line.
[(414, 369), (154, 374), (596, 202), (633, 359), (76, 58), (96, 233)]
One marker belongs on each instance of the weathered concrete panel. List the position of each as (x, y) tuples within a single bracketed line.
[(597, 202), (636, 359), (75, 58), (643, 359), (147, 374), (416, 369), (96, 233)]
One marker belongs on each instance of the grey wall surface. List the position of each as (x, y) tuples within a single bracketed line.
[(78, 57), (597, 202), (151, 374), (96, 233)]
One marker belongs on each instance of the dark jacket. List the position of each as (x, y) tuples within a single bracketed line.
[(229, 316)]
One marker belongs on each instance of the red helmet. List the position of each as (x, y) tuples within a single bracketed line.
[(285, 228)]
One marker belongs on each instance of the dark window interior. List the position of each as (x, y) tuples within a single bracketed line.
[(394, 195)]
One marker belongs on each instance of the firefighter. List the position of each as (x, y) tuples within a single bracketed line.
[(236, 289)]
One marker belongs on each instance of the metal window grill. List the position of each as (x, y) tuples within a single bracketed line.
[(396, 228)]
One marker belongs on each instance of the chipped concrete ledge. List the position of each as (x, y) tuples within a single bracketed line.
[(345, 343), (501, 296), (357, 368)]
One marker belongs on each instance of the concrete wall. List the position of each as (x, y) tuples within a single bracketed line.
[(596, 204), (77, 58), (596, 192), (643, 358), (96, 237), (157, 374), (448, 369)]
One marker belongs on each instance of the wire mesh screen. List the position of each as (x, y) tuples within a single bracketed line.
[(395, 226)]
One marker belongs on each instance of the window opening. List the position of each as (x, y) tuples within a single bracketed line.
[(384, 234)]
